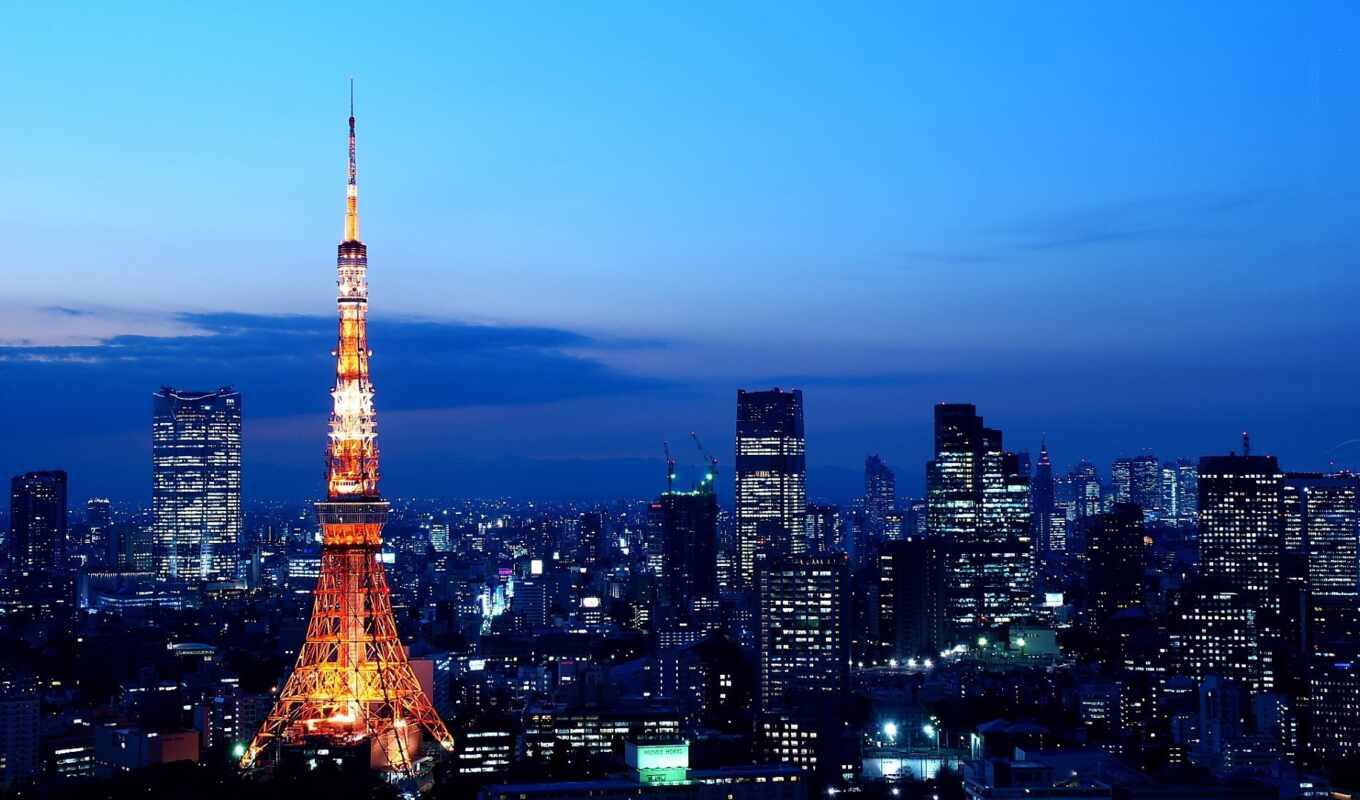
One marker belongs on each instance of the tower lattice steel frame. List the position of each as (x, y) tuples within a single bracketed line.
[(352, 682)]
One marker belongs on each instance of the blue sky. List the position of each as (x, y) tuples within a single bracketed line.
[(1126, 226)]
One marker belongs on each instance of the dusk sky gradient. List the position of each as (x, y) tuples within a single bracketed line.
[(1126, 226)]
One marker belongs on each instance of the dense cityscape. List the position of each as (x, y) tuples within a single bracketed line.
[(1162, 629), (1023, 623)]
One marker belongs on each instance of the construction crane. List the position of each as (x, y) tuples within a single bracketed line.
[(670, 466), (712, 462)]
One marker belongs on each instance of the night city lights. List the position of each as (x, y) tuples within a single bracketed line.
[(779, 402)]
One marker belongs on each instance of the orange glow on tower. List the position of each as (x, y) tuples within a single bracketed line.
[(352, 682)]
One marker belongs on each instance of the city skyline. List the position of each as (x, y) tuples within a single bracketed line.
[(658, 509), (1158, 233)]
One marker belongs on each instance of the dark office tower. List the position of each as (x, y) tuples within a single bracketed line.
[(1240, 524), (880, 495), (1334, 700), (689, 540), (1321, 519), (1042, 503), (131, 547), (37, 520), (771, 478), (1115, 564), (590, 532), (825, 530), (196, 484), (911, 613), (804, 645), (98, 519), (978, 505)]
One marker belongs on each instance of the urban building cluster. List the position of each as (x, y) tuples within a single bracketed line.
[(1156, 629)]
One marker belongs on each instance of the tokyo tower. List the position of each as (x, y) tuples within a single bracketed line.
[(352, 683)]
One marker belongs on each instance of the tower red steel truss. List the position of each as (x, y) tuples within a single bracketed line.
[(353, 682)]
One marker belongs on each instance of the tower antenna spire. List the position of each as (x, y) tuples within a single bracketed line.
[(352, 187)]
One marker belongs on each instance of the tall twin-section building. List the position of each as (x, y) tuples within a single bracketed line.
[(977, 499), (196, 484)]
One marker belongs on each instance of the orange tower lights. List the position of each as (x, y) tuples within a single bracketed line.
[(352, 682)]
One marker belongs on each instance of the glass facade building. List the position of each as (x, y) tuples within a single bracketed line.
[(771, 479), (196, 484)]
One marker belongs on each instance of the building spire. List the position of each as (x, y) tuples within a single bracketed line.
[(352, 188)]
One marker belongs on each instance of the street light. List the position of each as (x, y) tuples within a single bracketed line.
[(928, 729), (890, 730)]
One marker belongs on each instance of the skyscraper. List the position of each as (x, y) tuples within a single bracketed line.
[(1187, 491), (880, 495), (1086, 489), (804, 644), (1321, 524), (771, 478), (353, 684), (591, 544), (1115, 563), (1240, 538), (911, 607), (978, 504), (1138, 480), (98, 519), (689, 541), (196, 483), (1042, 503), (38, 520), (825, 529)]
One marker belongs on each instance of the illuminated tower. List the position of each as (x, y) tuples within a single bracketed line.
[(353, 684)]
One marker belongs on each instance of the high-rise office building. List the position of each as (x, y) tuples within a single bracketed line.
[(98, 519), (440, 538), (1085, 479), (591, 544), (1218, 629), (825, 529), (804, 644), (1240, 538), (196, 484), (1138, 480), (771, 478), (1115, 558), (911, 592), (978, 505), (880, 495), (38, 520), (1321, 525), (20, 757), (1334, 700), (1043, 504), (689, 543), (1187, 491)]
